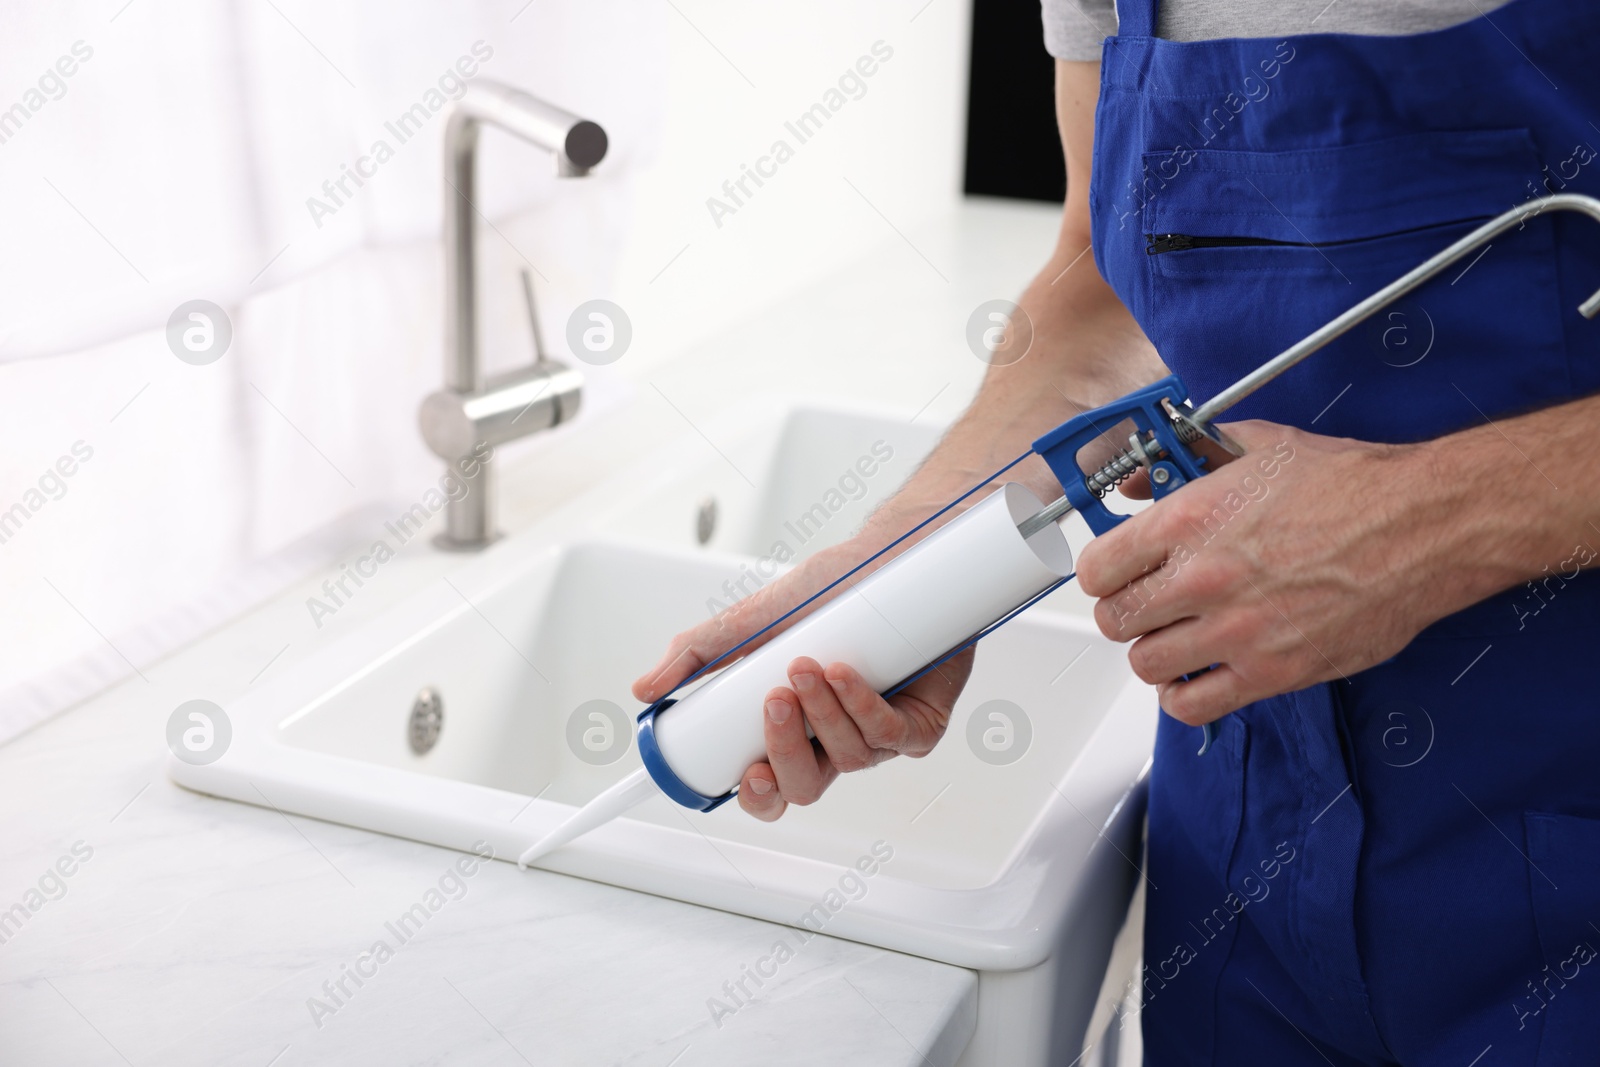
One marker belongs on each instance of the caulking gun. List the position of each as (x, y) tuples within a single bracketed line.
[(999, 557)]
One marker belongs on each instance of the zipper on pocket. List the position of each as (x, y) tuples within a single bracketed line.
[(1157, 243)]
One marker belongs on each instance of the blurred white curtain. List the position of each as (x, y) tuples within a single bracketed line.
[(174, 162)]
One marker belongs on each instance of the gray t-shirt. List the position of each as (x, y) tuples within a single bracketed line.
[(1073, 29)]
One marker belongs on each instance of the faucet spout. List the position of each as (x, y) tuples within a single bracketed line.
[(469, 412), (578, 146)]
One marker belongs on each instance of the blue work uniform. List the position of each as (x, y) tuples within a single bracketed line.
[(1401, 866)]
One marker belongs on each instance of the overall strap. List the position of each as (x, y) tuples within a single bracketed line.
[(1137, 18)]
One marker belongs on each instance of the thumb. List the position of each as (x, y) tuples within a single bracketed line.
[(703, 643), (1254, 435)]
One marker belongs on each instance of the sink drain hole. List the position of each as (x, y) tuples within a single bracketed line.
[(427, 719)]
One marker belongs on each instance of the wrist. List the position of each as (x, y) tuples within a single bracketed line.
[(1466, 542)]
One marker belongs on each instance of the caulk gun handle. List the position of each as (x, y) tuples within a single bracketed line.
[(1148, 408)]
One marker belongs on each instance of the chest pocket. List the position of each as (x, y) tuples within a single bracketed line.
[(1247, 252)]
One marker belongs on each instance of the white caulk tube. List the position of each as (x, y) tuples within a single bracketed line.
[(925, 602)]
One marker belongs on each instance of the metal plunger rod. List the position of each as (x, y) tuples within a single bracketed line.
[(1052, 512), (1320, 338), (1396, 289)]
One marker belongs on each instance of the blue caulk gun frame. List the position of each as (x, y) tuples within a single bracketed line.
[(1151, 410), (1148, 408)]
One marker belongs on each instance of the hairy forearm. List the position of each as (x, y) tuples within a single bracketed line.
[(1086, 350), (1504, 503)]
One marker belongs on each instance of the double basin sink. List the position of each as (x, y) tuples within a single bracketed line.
[(488, 704)]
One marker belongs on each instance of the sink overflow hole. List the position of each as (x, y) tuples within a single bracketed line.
[(705, 520), (427, 719)]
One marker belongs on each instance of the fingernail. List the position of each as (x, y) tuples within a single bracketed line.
[(805, 682), (760, 786), (838, 685), (778, 711)]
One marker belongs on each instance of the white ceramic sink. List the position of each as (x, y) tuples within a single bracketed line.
[(1020, 870), (806, 479)]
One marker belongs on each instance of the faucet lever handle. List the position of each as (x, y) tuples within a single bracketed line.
[(533, 317)]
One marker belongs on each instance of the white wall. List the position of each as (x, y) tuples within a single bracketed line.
[(176, 163)]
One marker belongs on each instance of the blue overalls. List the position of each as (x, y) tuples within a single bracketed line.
[(1401, 867)]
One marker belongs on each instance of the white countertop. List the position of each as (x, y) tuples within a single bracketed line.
[(198, 931)]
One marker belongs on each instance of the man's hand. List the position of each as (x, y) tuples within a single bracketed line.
[(855, 728), (1309, 558)]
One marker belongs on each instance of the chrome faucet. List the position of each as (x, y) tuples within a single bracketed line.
[(470, 413)]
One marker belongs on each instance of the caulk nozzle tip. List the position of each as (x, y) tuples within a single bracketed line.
[(536, 851), (632, 790)]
